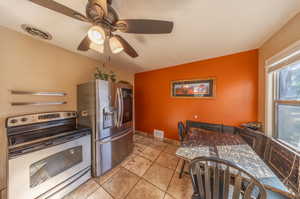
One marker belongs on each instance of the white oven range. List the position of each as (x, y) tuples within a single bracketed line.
[(49, 156)]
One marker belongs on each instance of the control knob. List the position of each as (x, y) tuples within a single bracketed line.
[(13, 121), (24, 119)]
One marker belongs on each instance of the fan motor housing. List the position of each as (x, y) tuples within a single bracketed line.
[(95, 12)]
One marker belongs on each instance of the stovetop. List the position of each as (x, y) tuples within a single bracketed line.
[(36, 131)]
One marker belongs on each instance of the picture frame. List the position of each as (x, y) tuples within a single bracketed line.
[(194, 88)]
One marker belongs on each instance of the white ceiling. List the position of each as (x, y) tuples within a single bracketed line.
[(202, 28)]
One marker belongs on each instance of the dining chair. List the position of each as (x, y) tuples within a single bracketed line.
[(203, 125), (214, 178), (181, 131), (181, 134)]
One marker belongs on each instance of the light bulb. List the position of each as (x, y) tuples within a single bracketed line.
[(96, 34), (115, 45), (97, 47)]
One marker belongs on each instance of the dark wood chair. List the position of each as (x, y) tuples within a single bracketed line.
[(181, 134), (256, 139), (228, 129), (275, 195), (211, 179), (181, 131), (203, 125)]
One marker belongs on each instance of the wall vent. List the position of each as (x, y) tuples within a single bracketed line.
[(34, 31), (158, 134)]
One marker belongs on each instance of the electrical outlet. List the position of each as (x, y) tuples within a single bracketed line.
[(158, 134)]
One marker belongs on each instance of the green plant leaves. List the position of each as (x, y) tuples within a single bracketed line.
[(99, 74)]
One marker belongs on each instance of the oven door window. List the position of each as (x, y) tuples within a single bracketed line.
[(53, 165)]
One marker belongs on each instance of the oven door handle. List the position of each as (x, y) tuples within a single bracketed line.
[(115, 138)]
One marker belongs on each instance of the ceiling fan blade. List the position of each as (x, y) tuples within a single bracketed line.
[(127, 47), (102, 4), (84, 44), (52, 5), (145, 26)]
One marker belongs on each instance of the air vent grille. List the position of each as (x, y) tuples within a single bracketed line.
[(34, 31)]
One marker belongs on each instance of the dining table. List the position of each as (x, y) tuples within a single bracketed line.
[(231, 147)]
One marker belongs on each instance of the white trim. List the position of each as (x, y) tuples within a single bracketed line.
[(269, 102), (286, 57)]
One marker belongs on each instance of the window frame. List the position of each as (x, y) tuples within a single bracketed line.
[(275, 103)]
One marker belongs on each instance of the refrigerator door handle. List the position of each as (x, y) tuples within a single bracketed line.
[(115, 138), (117, 104), (116, 110), (122, 107)]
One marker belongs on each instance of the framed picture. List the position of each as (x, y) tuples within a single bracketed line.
[(196, 88)]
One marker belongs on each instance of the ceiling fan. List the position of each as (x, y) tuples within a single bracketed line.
[(105, 22)]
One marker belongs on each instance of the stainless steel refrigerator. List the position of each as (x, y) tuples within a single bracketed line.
[(107, 108)]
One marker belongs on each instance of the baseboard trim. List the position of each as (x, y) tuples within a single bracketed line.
[(166, 140)]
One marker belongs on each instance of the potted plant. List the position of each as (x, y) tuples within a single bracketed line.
[(101, 74)]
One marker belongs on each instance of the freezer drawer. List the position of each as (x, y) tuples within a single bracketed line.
[(3, 194), (112, 151)]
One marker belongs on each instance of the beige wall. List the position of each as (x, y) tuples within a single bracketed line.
[(286, 36), (30, 64)]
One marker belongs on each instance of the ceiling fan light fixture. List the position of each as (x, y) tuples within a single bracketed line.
[(96, 34), (97, 47), (115, 45)]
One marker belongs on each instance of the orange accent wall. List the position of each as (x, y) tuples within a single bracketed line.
[(236, 94)]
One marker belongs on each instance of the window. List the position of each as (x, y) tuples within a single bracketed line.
[(282, 99), (286, 105)]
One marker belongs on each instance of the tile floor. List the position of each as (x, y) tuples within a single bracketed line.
[(150, 172)]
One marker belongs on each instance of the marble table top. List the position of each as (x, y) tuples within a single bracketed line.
[(231, 147)]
